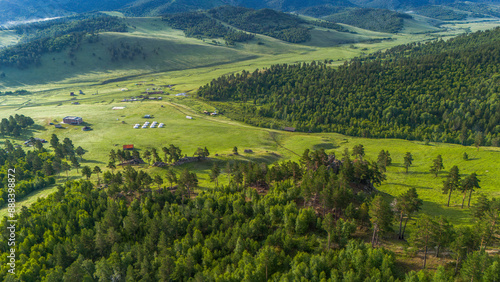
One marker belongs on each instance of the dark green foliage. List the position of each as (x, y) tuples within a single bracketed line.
[(441, 13), (372, 19), (407, 161), (406, 205), (199, 25), (452, 182), (437, 165), (154, 237), (395, 94), (268, 22), (34, 170), (381, 217), (330, 25), (55, 36), (478, 9), (14, 125)]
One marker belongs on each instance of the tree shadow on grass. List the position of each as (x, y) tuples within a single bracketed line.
[(457, 215), (409, 186), (325, 146)]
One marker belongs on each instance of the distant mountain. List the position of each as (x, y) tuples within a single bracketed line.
[(13, 10)]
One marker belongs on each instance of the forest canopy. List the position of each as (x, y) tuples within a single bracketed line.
[(443, 91)]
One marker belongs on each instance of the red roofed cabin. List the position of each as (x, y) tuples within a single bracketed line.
[(128, 147)]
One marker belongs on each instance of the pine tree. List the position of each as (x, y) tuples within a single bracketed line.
[(380, 216), (468, 184), (408, 160), (452, 182), (437, 165), (86, 171), (423, 235), (214, 174)]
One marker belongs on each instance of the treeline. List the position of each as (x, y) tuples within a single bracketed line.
[(265, 21), (478, 10), (371, 19), (199, 25), (440, 91), (441, 13), (48, 37), (14, 125), (330, 25), (17, 92)]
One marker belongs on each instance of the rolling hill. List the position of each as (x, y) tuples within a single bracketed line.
[(31, 9)]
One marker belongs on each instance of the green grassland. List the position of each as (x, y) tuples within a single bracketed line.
[(188, 63)]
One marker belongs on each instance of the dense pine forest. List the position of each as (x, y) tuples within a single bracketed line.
[(199, 25), (266, 21), (444, 91), (34, 169), (291, 221), (371, 19), (55, 36)]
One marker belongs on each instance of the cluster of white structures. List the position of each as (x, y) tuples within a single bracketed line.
[(150, 125)]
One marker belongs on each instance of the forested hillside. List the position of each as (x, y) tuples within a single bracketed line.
[(55, 36), (290, 221), (439, 91), (198, 24), (268, 22), (371, 19)]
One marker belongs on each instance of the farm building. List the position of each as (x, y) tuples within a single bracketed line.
[(72, 120), (189, 117), (291, 129), (128, 147), (29, 142), (161, 125), (87, 128), (58, 126)]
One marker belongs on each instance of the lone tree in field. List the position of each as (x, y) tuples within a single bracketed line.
[(97, 170), (408, 160), (406, 204), (468, 185), (452, 182), (235, 150), (381, 217), (86, 171), (384, 160), (437, 165), (80, 152)]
